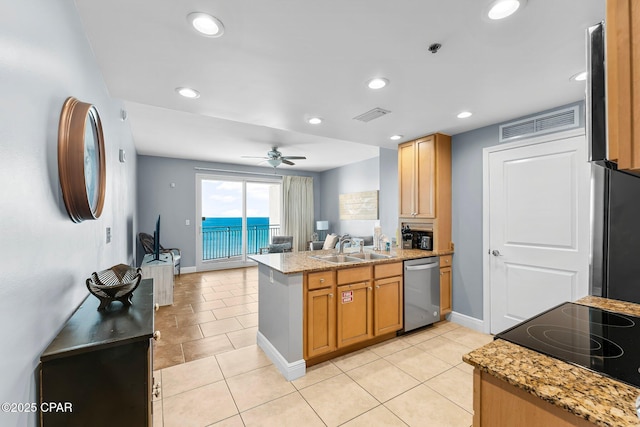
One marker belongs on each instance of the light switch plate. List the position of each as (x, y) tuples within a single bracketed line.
[(108, 234)]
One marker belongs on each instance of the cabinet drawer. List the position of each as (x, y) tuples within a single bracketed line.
[(445, 260), (387, 270), (351, 275), (321, 279)]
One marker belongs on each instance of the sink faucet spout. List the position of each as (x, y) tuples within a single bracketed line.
[(341, 245)]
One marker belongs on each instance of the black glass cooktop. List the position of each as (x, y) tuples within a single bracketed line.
[(600, 340)]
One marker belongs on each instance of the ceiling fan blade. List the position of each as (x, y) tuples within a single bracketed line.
[(254, 157), (286, 162), (294, 157)]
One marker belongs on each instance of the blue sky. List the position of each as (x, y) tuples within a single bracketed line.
[(223, 199)]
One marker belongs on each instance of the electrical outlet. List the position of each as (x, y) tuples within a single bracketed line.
[(108, 234), (271, 276), (187, 222)]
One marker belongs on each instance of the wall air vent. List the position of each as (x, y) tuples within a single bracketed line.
[(555, 121), (372, 114)]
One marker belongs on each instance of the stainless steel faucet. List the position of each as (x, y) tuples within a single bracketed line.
[(341, 244)]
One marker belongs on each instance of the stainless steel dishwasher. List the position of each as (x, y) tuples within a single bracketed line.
[(421, 292)]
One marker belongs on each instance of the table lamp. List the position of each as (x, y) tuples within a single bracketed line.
[(322, 226)]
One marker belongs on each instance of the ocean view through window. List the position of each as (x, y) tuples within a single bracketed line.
[(238, 217)]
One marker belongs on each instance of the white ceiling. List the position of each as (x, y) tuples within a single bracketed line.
[(281, 61)]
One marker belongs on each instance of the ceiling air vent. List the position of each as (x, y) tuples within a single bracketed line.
[(372, 114), (554, 121)]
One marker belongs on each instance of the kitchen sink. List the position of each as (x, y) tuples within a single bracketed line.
[(370, 255), (337, 259)]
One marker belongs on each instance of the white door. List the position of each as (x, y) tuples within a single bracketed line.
[(538, 250)]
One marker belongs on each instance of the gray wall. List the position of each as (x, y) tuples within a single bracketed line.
[(389, 192), (177, 204), (466, 182), (378, 173), (45, 257)]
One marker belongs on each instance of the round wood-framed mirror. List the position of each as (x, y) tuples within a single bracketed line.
[(81, 160)]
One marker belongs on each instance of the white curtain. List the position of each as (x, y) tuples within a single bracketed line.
[(297, 217)]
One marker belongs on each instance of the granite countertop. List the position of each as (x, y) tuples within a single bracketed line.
[(302, 262), (594, 397)]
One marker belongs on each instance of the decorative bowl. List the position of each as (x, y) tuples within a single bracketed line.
[(114, 284)]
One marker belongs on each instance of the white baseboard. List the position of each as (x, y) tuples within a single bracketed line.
[(291, 371), (188, 270), (467, 321)]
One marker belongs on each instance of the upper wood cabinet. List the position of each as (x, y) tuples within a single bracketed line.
[(416, 168), (622, 26), (424, 175), (424, 178)]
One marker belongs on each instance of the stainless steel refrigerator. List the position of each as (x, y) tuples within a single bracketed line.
[(615, 225)]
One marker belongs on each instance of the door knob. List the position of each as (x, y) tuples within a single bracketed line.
[(496, 252)]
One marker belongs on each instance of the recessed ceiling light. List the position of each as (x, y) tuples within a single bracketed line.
[(377, 83), (206, 24), (579, 77), (187, 92), (501, 9), (395, 137), (314, 120), (465, 114)]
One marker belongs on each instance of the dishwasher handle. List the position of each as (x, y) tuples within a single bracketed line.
[(421, 266)]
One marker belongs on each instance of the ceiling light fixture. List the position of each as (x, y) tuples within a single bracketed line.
[(501, 9), (377, 83), (465, 114), (395, 137), (187, 92), (274, 162), (579, 77), (314, 120), (206, 24)]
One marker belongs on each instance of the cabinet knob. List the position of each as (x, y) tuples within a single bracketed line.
[(369, 288), (330, 295), (156, 306), (156, 335), (378, 287), (321, 280)]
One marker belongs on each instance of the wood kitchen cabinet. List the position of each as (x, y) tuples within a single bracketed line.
[(387, 297), (354, 306), (350, 308), (497, 403), (445, 286), (416, 169), (622, 26), (320, 319), (321, 327), (424, 179)]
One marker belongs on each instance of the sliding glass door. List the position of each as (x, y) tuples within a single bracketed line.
[(238, 218)]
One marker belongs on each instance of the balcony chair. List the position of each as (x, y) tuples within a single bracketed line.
[(278, 244), (146, 240)]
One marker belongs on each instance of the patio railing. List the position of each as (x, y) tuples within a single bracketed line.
[(226, 241)]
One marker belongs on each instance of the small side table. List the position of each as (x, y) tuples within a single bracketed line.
[(161, 272)]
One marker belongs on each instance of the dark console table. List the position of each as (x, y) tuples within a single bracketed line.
[(100, 365)]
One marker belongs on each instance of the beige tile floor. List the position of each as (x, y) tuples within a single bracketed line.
[(213, 374)]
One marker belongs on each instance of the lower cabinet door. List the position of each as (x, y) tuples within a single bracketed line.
[(355, 313), (445, 291), (321, 322), (388, 305)]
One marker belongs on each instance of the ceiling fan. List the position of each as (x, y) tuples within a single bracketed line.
[(275, 158)]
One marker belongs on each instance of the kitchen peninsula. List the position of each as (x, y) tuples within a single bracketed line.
[(516, 386), (294, 287)]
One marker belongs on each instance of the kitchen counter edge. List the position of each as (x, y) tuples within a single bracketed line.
[(596, 398), (302, 262)]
